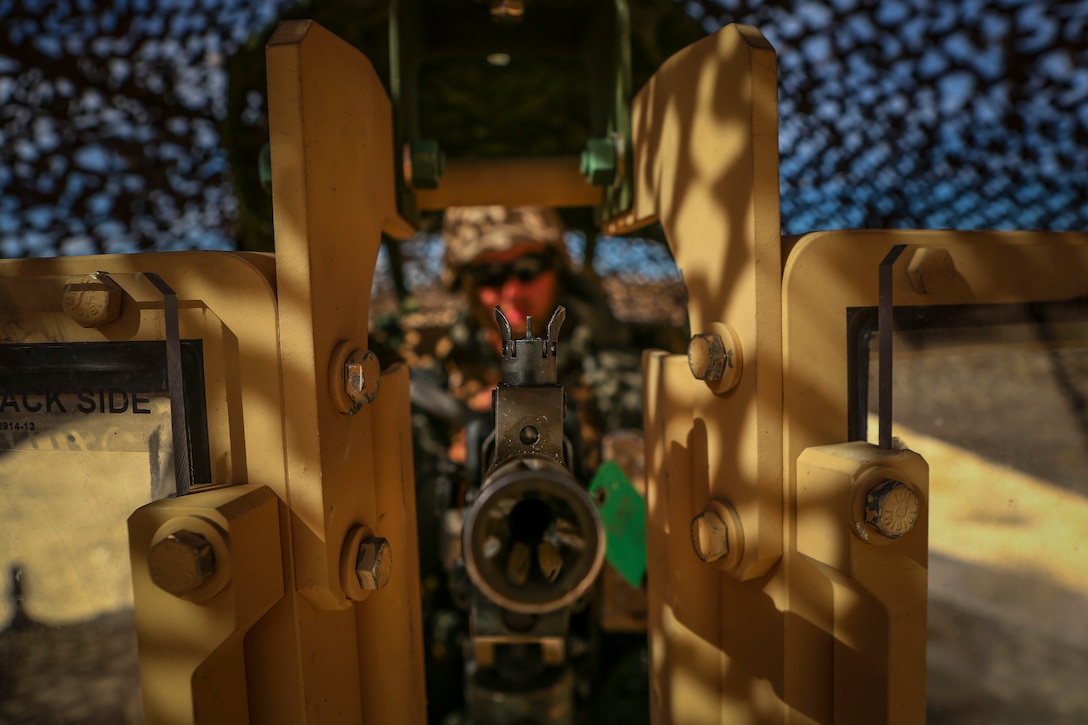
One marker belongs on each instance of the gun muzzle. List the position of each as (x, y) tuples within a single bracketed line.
[(533, 539)]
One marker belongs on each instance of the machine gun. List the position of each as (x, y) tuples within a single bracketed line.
[(531, 541)]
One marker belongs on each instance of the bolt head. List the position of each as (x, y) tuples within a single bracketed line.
[(709, 536), (930, 269), (598, 162), (892, 508), (374, 563), (362, 377), (707, 357), (92, 301), (354, 377), (181, 563), (428, 163)]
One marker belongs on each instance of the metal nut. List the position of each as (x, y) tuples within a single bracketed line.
[(930, 269), (374, 563), (362, 377), (709, 536), (599, 161), (891, 508), (354, 377), (707, 357), (424, 163), (92, 301), (181, 563)]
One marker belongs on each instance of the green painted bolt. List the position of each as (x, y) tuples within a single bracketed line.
[(599, 161), (428, 163)]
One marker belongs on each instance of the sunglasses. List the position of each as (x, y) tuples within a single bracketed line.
[(525, 268)]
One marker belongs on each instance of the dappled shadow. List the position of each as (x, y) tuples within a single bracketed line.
[(1005, 647), (83, 672)]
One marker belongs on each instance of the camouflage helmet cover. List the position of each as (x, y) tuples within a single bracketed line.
[(469, 231)]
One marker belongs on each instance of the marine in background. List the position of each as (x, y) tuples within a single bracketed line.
[(515, 258)]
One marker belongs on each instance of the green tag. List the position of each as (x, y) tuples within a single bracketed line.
[(623, 512)]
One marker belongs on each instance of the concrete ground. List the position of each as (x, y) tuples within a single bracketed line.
[(1005, 434)]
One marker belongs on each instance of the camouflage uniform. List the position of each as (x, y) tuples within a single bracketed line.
[(472, 230)]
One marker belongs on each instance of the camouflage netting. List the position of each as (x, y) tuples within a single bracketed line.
[(116, 132), (109, 125), (965, 115)]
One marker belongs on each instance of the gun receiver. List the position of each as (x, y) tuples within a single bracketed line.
[(533, 541)]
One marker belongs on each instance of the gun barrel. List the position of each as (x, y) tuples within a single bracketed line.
[(533, 539)]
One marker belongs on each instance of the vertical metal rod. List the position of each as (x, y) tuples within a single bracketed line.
[(886, 328), (179, 423)]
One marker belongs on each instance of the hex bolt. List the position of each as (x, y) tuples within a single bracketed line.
[(181, 563), (708, 536), (354, 377), (92, 301), (891, 507), (374, 563), (424, 163), (707, 357), (362, 377), (930, 269), (599, 161)]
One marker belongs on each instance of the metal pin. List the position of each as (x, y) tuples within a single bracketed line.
[(175, 377), (886, 328)]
